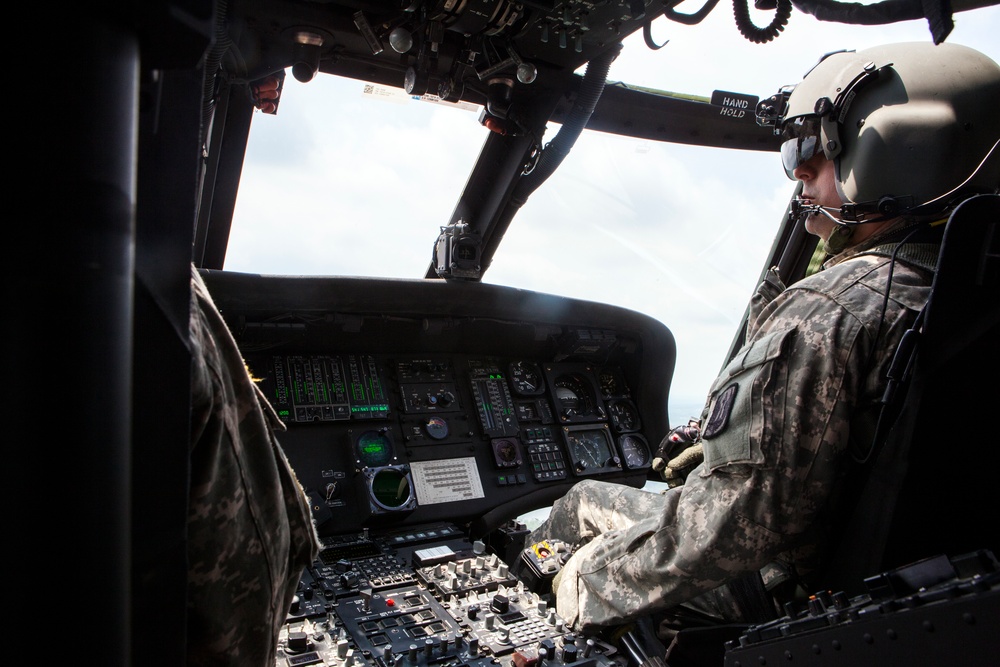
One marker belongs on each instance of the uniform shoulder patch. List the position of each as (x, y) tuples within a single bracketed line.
[(719, 419)]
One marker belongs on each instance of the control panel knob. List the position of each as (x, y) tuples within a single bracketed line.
[(298, 642), (500, 604)]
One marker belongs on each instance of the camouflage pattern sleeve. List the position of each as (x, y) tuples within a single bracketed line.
[(780, 418), (250, 532), (767, 291)]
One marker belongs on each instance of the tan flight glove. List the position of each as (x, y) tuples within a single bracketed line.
[(679, 453), (678, 468), (555, 583)]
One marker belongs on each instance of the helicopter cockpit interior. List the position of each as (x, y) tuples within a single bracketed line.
[(435, 395)]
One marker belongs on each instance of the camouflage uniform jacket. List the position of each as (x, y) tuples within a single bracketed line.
[(250, 533), (776, 427)]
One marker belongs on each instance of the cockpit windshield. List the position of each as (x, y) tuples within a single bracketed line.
[(350, 178)]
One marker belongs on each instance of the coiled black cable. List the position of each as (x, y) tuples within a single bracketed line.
[(741, 10)]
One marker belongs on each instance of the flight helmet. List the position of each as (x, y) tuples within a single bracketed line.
[(910, 126)]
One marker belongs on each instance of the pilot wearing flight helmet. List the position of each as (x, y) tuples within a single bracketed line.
[(885, 142)]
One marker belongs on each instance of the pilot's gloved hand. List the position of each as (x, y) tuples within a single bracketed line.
[(266, 93), (678, 468), (555, 583), (679, 452)]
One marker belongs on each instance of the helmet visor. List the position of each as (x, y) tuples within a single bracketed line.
[(801, 141)]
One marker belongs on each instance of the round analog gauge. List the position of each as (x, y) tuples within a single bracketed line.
[(624, 416), (610, 386), (573, 396), (526, 378), (374, 448), (436, 428), (505, 453), (589, 448), (635, 451)]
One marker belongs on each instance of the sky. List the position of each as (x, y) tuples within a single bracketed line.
[(344, 183)]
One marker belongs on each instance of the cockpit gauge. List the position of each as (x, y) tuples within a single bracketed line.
[(575, 394), (373, 448), (506, 452), (572, 394), (493, 400), (623, 415), (436, 428), (526, 378), (635, 451), (390, 489), (612, 383), (574, 397), (590, 449)]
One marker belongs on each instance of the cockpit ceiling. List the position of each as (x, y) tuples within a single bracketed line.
[(454, 48), (441, 40)]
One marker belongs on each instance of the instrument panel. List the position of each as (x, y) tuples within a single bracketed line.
[(409, 402), (375, 437), (422, 419)]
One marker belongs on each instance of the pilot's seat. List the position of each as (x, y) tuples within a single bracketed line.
[(932, 488)]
